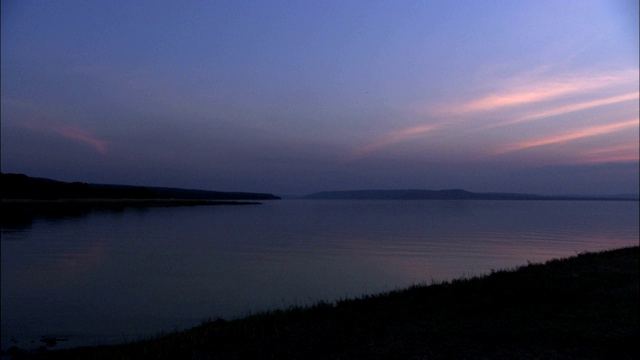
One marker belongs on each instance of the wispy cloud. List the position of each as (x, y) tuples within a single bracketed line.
[(574, 135), (390, 139), (519, 97), (541, 96), (621, 153), (561, 110), (71, 132), (83, 136), (525, 91)]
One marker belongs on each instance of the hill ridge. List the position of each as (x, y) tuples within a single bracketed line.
[(446, 194)]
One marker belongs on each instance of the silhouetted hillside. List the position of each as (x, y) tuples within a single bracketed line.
[(454, 194), (19, 186)]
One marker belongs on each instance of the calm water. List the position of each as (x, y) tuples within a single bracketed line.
[(105, 276)]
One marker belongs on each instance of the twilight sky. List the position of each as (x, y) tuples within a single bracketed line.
[(293, 97)]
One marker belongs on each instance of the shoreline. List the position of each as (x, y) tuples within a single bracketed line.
[(578, 307), (120, 202)]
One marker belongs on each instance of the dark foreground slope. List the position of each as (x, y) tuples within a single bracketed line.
[(585, 307)]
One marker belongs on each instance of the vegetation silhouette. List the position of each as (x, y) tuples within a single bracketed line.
[(20, 186), (25, 199)]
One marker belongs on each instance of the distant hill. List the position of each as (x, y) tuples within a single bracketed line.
[(19, 186), (453, 194)]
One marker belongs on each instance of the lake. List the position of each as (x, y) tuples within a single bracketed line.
[(102, 276)]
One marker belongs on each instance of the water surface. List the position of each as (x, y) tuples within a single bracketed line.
[(109, 276)]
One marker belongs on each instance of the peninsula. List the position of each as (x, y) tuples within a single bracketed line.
[(23, 187)]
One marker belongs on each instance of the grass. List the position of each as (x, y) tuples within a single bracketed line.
[(583, 307)]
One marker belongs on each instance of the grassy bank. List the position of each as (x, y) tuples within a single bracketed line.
[(584, 307)]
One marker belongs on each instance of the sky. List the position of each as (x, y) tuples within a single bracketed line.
[(295, 97)]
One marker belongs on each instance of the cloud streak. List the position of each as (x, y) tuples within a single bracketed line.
[(558, 139), (573, 108), (526, 91), (75, 133), (620, 153), (390, 139)]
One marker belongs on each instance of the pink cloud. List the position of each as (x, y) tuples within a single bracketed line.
[(617, 158), (509, 99), (72, 132), (573, 107), (526, 91), (577, 134), (390, 139), (621, 153)]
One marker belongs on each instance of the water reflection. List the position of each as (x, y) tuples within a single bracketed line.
[(103, 275), (21, 216)]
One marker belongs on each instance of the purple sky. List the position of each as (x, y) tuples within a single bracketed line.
[(293, 97)]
